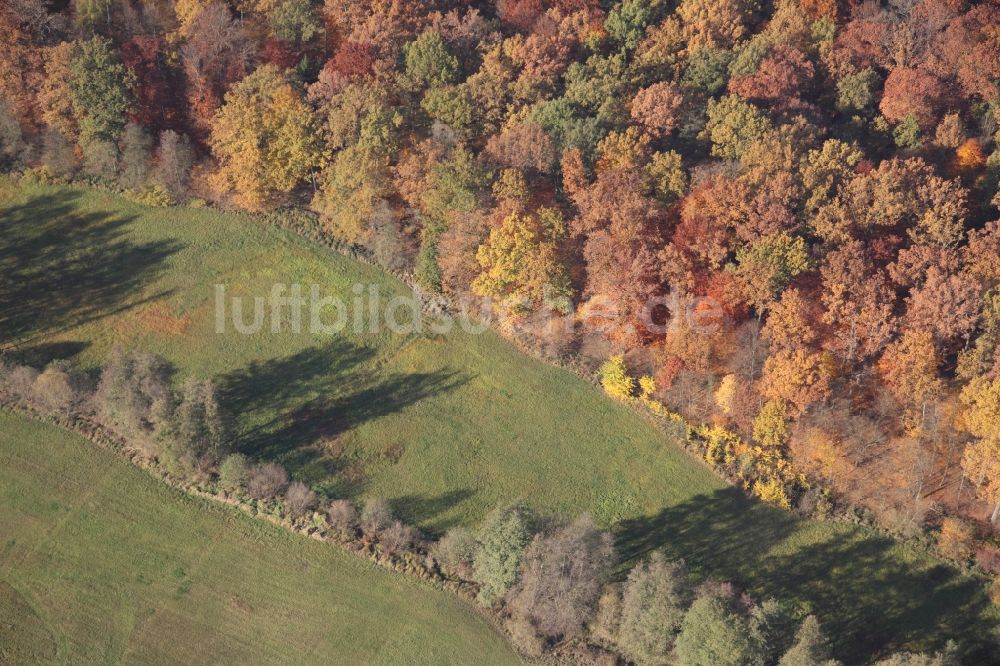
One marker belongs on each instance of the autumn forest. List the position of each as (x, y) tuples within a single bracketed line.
[(807, 190)]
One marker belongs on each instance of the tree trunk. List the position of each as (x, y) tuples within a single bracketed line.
[(996, 513)]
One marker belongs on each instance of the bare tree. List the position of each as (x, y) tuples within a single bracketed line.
[(299, 499), (561, 578), (267, 481)]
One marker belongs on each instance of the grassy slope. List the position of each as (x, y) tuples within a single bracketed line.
[(475, 421), (100, 563)]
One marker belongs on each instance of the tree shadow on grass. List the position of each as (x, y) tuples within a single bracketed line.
[(40, 355), (62, 267), (286, 407), (427, 511), (869, 598)]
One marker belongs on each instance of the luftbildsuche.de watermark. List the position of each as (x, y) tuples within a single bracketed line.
[(306, 309)]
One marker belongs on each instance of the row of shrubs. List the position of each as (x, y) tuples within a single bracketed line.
[(551, 583)]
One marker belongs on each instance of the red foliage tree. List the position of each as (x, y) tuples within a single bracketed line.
[(913, 91), (781, 81), (352, 59)]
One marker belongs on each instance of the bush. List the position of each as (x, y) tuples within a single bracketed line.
[(607, 621), (20, 381), (525, 636), (267, 481), (955, 539), (155, 196), (455, 551), (299, 499), (134, 398), (994, 591), (376, 516), (342, 516), (234, 472), (615, 379), (197, 423), (770, 428), (398, 537), (57, 389)]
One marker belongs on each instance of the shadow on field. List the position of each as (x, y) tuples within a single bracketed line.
[(42, 354), (62, 267), (427, 510), (868, 598), (284, 407)]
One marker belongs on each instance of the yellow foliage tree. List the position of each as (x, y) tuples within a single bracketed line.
[(726, 394), (982, 419), (521, 261), (264, 137), (770, 428), (615, 378), (970, 155)]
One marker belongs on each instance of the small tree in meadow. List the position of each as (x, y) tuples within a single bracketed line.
[(398, 537), (811, 647), (455, 552), (134, 397), (715, 633), (58, 388)]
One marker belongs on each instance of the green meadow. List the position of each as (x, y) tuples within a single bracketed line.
[(443, 425), (102, 563)]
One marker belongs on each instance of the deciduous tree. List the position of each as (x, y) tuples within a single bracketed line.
[(264, 137)]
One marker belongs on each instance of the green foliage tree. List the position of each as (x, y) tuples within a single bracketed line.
[(707, 70), (666, 170), (713, 633), (655, 599), (811, 647), (101, 90), (855, 91), (452, 105), (733, 124), (296, 21), (907, 133), (428, 61), (763, 268), (502, 539), (627, 22), (234, 472)]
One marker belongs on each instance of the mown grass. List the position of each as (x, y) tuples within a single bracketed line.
[(102, 563), (444, 426)]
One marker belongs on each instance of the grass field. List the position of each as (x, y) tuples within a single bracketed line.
[(442, 426), (101, 563)]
